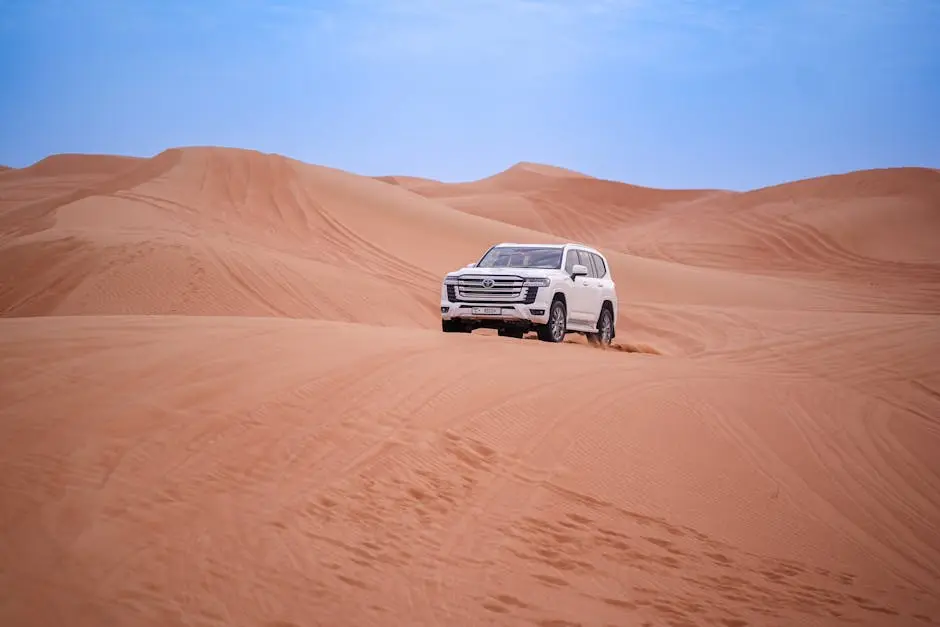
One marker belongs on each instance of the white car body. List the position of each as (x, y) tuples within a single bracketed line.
[(513, 286)]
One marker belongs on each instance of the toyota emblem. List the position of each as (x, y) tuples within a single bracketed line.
[(487, 283)]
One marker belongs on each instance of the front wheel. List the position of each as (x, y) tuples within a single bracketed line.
[(605, 329), (554, 331)]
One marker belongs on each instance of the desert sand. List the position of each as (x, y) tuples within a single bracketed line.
[(226, 400)]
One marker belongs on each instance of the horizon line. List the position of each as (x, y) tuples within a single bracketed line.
[(521, 164)]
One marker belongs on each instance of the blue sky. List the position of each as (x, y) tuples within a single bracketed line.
[(668, 93)]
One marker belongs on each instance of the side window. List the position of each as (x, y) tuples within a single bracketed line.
[(600, 265), (571, 260), (592, 264), (586, 262)]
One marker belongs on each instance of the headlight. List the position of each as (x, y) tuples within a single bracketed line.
[(536, 283), (450, 280)]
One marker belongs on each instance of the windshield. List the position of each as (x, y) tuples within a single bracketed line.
[(521, 257)]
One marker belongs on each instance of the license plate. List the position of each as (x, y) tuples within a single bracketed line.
[(487, 311)]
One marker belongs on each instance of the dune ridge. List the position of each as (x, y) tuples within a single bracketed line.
[(226, 400)]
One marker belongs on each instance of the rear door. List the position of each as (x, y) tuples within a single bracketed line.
[(593, 295), (607, 285), (579, 291)]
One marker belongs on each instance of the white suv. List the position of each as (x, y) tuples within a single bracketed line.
[(552, 289)]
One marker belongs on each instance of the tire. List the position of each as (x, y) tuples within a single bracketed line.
[(557, 325), (453, 326), (605, 329), (511, 332)]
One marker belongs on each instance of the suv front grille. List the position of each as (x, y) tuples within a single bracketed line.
[(530, 295), (502, 289)]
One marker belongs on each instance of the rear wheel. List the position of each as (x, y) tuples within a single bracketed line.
[(554, 331), (605, 329)]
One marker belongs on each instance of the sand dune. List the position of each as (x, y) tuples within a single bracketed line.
[(871, 234), (562, 202), (226, 400), (202, 231), (211, 232)]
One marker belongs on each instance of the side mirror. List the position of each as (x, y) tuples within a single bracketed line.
[(471, 265), (578, 270)]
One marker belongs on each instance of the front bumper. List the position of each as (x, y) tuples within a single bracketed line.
[(497, 312)]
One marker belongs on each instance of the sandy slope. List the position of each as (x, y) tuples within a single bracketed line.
[(871, 234), (226, 400)]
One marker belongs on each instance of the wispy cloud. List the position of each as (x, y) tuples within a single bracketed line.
[(539, 35)]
